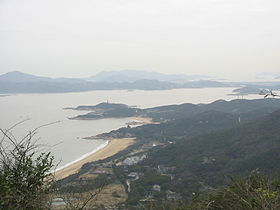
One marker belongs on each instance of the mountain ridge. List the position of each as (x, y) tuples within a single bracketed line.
[(17, 76), (18, 82), (134, 75)]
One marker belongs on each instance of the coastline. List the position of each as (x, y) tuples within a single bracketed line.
[(142, 120), (110, 148), (82, 157)]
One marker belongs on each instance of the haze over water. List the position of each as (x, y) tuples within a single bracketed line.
[(64, 138)]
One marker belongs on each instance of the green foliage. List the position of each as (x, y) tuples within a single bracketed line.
[(200, 146), (25, 180), (76, 185), (108, 110), (255, 192), (202, 163), (187, 120), (246, 108)]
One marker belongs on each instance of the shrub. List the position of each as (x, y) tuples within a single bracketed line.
[(25, 178), (255, 192)]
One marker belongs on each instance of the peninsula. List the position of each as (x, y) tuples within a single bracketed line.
[(106, 110)]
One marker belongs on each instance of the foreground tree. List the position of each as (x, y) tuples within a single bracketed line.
[(25, 178), (255, 192)]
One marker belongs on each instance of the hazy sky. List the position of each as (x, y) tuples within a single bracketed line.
[(77, 38)]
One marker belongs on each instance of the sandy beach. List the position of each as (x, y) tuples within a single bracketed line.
[(114, 146), (143, 120)]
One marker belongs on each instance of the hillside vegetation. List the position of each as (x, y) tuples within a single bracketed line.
[(194, 149)]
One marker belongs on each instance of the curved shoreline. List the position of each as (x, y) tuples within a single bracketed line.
[(112, 147), (82, 157)]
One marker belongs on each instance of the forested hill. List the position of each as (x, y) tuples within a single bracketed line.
[(187, 120), (193, 152), (236, 107), (203, 162), (244, 148)]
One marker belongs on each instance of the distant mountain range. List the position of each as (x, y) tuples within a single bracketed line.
[(106, 76), (268, 75), (135, 75), (19, 82), (17, 76), (20, 77)]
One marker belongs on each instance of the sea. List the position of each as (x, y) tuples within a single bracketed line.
[(45, 115)]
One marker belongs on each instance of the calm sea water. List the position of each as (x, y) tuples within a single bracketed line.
[(64, 138)]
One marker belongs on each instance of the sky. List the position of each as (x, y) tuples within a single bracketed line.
[(77, 38)]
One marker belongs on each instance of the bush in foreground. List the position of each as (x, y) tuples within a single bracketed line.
[(255, 192), (25, 178)]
